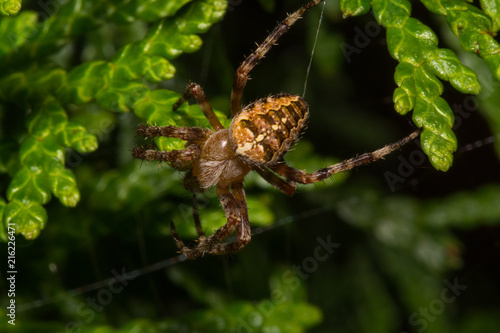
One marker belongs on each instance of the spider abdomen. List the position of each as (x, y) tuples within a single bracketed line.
[(264, 130)]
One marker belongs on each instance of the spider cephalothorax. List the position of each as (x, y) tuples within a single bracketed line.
[(258, 137)]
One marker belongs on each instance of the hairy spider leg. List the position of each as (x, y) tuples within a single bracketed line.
[(196, 217), (184, 249), (201, 235), (306, 178), (243, 230), (195, 90), (236, 212), (241, 76), (191, 134), (235, 208), (189, 154), (286, 186), (180, 159)]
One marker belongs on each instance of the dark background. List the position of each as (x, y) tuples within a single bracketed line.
[(368, 284)]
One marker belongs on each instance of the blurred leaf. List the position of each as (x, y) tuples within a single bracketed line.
[(63, 186), (478, 322), (354, 7), (286, 309), (492, 8), (29, 185), (11, 29), (45, 92), (3, 228), (10, 7), (29, 218)]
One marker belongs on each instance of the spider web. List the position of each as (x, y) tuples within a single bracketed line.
[(164, 263), (175, 260)]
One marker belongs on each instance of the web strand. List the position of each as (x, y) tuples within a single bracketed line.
[(161, 264), (313, 48)]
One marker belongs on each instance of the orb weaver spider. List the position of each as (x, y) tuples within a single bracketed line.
[(259, 136)]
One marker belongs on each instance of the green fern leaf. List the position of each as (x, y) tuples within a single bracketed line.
[(29, 218), (354, 7), (489, 49), (48, 119), (62, 184), (30, 82), (413, 45), (84, 81), (148, 11), (12, 31), (446, 65), (492, 8), (421, 63), (76, 136), (437, 138), (29, 185), (473, 27), (391, 13), (10, 7)]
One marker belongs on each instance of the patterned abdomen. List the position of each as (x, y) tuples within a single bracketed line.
[(264, 130)]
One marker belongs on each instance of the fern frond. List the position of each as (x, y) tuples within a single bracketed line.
[(30, 81), (10, 7), (422, 62)]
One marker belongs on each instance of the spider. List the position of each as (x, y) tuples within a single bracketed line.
[(257, 139)]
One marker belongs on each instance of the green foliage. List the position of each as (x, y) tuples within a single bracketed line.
[(30, 82), (10, 7), (421, 62), (123, 83), (77, 78), (285, 308)]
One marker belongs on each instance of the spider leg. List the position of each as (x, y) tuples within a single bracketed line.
[(306, 178), (180, 244), (235, 208), (195, 90), (184, 249), (243, 230), (241, 76), (193, 134), (181, 157), (196, 217), (286, 186)]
